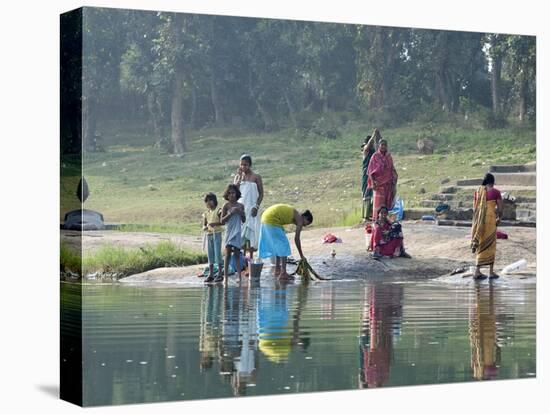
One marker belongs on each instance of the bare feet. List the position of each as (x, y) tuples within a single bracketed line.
[(479, 276), (286, 276)]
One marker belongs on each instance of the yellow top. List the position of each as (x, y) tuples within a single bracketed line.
[(278, 215), (213, 216)]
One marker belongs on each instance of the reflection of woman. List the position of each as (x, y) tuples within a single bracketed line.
[(247, 361), (273, 322), (483, 334), (381, 320), (382, 178), (368, 149), (487, 213)]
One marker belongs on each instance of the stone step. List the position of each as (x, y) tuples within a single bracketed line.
[(526, 206), (443, 197), (525, 199), (448, 190), (513, 168), (511, 223), (516, 179), (526, 215), (417, 213), (434, 203)]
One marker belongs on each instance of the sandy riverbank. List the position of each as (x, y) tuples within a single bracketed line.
[(436, 251)]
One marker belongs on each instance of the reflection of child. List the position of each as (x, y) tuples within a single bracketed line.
[(213, 228), (232, 216)]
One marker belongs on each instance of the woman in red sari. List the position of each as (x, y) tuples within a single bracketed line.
[(387, 237), (382, 178)]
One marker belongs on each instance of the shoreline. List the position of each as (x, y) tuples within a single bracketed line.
[(436, 251)]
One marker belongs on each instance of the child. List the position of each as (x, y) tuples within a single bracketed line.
[(213, 228), (387, 237), (233, 216)]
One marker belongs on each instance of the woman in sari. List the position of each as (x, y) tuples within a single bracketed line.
[(368, 148), (487, 213), (387, 237), (382, 178)]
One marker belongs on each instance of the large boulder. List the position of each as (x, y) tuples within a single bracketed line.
[(425, 146), (82, 220)]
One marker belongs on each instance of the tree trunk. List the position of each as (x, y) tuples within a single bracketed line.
[(495, 82), (522, 110), (178, 135), (155, 115), (269, 123), (192, 118), (291, 110), (214, 96), (89, 116)]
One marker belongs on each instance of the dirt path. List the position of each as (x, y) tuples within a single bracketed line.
[(436, 251)]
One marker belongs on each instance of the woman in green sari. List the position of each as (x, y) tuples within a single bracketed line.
[(368, 148)]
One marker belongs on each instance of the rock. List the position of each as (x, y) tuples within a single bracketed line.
[(422, 190), (425, 146), (151, 187), (445, 180), (475, 163)]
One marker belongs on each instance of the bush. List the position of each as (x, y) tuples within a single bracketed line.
[(495, 121)]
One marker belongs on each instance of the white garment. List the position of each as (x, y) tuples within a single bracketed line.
[(249, 198)]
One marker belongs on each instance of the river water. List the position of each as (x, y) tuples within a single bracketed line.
[(181, 342)]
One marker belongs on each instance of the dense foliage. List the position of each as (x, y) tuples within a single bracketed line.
[(186, 71)]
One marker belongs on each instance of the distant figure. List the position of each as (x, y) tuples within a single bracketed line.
[(212, 226), (273, 240), (487, 213), (252, 191), (368, 148), (382, 178), (232, 216), (387, 237)]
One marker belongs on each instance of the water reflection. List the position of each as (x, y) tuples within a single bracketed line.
[(484, 336), (141, 344), (381, 325), (238, 323)]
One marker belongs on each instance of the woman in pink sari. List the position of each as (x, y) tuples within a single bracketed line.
[(382, 178)]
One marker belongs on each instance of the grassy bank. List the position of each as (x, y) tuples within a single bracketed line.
[(149, 190), (123, 262)]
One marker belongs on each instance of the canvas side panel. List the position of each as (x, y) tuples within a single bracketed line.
[(70, 206)]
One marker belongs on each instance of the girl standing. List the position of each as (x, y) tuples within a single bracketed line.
[(232, 216)]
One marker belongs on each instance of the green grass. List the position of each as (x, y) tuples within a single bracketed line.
[(149, 190), (70, 260), (124, 262)]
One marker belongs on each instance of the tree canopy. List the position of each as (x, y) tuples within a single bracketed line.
[(179, 71)]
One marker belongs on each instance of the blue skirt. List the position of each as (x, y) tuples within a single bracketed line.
[(273, 242)]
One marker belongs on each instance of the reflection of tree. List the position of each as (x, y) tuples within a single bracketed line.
[(484, 335), (381, 319)]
